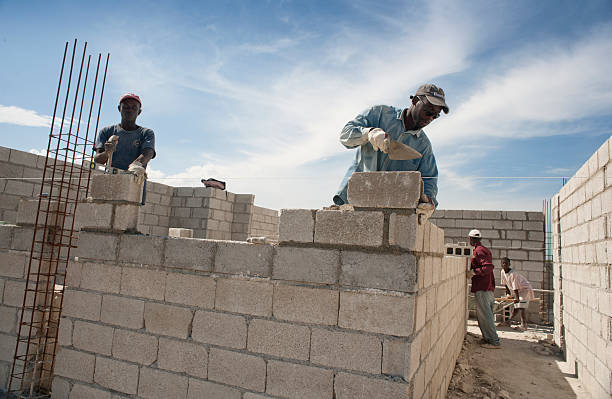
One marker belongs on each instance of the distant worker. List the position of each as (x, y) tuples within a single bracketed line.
[(483, 286), (135, 146), (369, 129), (523, 292)]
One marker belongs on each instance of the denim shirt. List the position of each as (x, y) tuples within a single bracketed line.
[(355, 134)]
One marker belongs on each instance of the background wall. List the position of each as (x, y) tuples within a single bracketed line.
[(582, 215)]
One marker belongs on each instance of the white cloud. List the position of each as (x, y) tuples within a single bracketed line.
[(23, 117)]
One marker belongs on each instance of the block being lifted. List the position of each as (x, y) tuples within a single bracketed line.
[(120, 187), (384, 189)]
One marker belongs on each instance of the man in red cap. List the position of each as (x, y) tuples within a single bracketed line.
[(132, 146)]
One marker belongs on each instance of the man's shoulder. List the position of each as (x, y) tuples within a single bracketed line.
[(146, 131), (110, 128)]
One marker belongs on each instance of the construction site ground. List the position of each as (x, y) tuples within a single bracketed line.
[(528, 365)]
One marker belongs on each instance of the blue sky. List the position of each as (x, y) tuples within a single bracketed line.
[(256, 92)]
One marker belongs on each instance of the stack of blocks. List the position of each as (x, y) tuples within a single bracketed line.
[(350, 304)]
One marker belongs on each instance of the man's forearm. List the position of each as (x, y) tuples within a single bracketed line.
[(145, 157), (101, 157)]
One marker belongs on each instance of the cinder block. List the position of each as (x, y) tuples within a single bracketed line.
[(144, 283), (384, 189), (186, 253), (126, 217), (98, 246), (237, 369), (155, 384), (13, 293), (183, 357), (13, 264), (124, 312), (296, 225), (377, 313), (307, 305), (86, 392), (349, 228), (351, 386), (180, 233), (306, 264), (206, 389), (346, 350), (120, 187), (60, 388), (167, 320), (82, 305), (244, 296), (403, 231), (279, 339), (243, 258), (92, 337), (219, 329), (141, 249), (374, 270), (8, 318), (74, 365), (394, 356), (94, 216), (64, 335), (100, 277), (296, 381), (134, 347), (188, 289), (116, 375)]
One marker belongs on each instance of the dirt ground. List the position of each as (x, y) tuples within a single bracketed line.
[(528, 365)]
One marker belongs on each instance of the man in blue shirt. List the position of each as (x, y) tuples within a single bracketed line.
[(369, 129)]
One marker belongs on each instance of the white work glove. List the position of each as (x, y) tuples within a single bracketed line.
[(137, 170), (111, 143), (376, 137), (425, 208)]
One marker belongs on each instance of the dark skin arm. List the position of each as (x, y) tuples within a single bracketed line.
[(147, 154)]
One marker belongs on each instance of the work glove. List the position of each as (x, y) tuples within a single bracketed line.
[(111, 143), (376, 137), (425, 208), (137, 170)]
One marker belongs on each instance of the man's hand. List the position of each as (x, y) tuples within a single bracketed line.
[(424, 211), (376, 137), (111, 143), (470, 273), (138, 170)]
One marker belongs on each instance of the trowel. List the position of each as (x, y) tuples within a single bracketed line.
[(398, 151)]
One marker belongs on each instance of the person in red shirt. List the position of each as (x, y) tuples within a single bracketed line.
[(483, 285)]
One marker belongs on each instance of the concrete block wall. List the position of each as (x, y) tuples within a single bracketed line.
[(154, 216), (582, 249), (264, 223), (519, 235), (377, 313)]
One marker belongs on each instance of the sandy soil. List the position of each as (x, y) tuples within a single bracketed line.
[(527, 366)]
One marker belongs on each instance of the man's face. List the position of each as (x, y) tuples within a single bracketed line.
[(505, 265), (424, 112), (129, 109)]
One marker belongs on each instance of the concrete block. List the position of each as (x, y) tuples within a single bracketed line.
[(349, 228), (374, 270), (306, 305), (183, 357), (238, 369), (188, 289), (535, 226), (60, 388), (82, 305), (64, 335), (384, 189), (244, 296), (206, 389), (346, 350), (220, 329), (94, 216), (180, 233), (141, 249), (296, 225), (119, 187), (124, 312), (126, 217), (394, 356), (186, 253), (167, 320), (116, 375), (13, 264), (74, 365), (97, 246), (306, 265), (20, 188), (144, 283), (279, 339), (100, 277), (515, 215), (297, 381), (351, 386), (377, 313), (134, 347), (403, 231), (86, 392), (8, 316), (92, 337), (13, 293), (243, 258), (22, 158)]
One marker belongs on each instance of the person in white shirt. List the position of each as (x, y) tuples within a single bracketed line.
[(518, 285)]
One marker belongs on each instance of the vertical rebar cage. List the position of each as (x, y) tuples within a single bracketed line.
[(65, 182)]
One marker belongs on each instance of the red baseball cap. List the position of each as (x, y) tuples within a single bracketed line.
[(127, 96)]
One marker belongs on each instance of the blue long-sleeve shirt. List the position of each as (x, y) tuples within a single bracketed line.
[(355, 134)]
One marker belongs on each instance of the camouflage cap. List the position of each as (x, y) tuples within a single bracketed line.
[(434, 94)]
